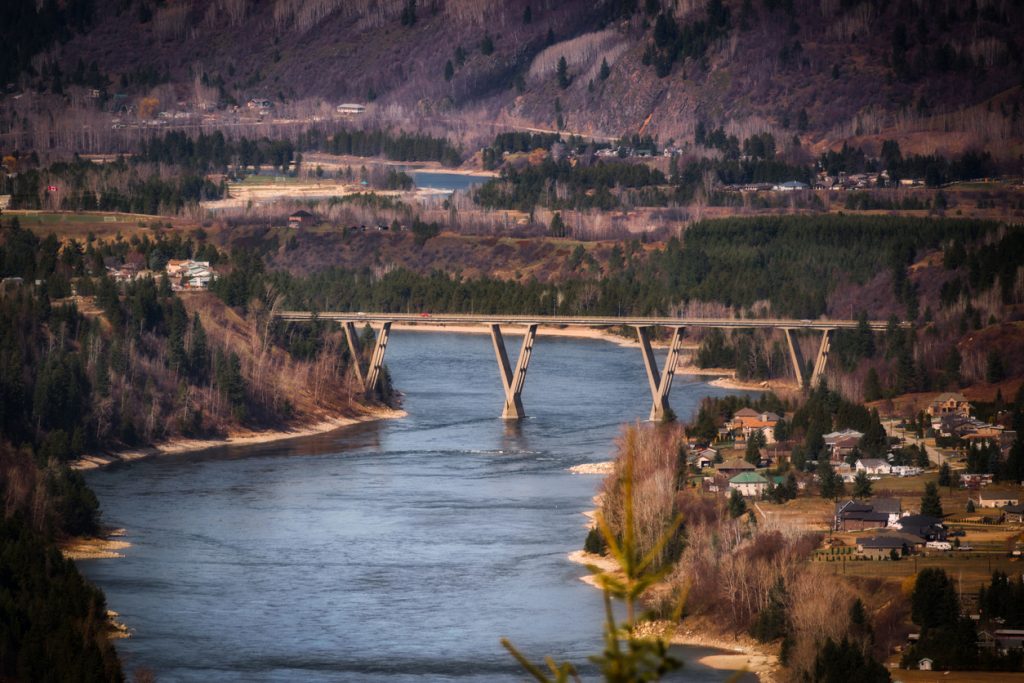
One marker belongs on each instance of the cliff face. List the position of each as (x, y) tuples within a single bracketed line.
[(936, 75)]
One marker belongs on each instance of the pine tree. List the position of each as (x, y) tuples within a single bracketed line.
[(737, 506), (487, 44), (449, 70), (931, 504), (527, 15), (198, 354), (605, 70), (563, 73), (872, 386), (862, 485)]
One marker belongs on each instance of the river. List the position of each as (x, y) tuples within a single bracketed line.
[(394, 551), (440, 180)]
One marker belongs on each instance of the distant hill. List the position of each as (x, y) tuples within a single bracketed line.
[(937, 75)]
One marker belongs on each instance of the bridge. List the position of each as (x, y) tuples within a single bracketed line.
[(513, 379)]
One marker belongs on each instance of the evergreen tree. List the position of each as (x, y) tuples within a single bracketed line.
[(755, 442), (605, 70), (527, 15), (487, 44), (558, 228), (409, 13), (198, 353), (872, 386), (449, 70), (737, 506), (845, 662), (563, 73), (861, 485), (931, 504), (945, 475)]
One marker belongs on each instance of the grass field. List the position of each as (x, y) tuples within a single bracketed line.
[(970, 569), (102, 224)]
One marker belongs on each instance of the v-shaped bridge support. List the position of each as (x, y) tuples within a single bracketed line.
[(370, 376), (820, 361), (512, 381), (661, 384)]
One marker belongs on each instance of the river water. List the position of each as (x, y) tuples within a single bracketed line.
[(394, 551), (439, 180)]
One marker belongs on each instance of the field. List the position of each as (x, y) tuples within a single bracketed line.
[(78, 224), (970, 570)]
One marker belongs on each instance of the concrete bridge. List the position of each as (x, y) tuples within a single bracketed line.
[(513, 379)]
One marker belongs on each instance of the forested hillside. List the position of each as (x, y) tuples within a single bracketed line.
[(937, 75), (961, 284)]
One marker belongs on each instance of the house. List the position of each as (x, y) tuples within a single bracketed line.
[(1008, 638), (188, 274), (880, 547), (852, 515), (706, 458), (261, 104), (922, 526), (300, 218), (1014, 513), (998, 498), (906, 470), (841, 444), (9, 284), (949, 403), (791, 186), (351, 109), (873, 466), (749, 484), (731, 468), (747, 421), (925, 664)]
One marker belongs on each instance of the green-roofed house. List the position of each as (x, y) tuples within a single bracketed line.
[(749, 484)]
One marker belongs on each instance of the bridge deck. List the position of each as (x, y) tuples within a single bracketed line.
[(584, 321)]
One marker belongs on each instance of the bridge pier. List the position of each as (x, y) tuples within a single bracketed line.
[(660, 385), (796, 357), (822, 359), (370, 376), (512, 381)]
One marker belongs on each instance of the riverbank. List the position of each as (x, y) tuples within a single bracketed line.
[(101, 548), (239, 438), (740, 653)]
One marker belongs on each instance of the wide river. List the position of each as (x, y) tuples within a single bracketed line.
[(395, 551)]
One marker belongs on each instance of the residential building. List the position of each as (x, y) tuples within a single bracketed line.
[(841, 444), (731, 468), (300, 218), (872, 466), (998, 498), (746, 421), (1014, 513), (876, 513), (949, 404), (351, 109), (880, 547), (922, 526), (749, 484)]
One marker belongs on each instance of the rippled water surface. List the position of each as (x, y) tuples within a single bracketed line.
[(400, 550)]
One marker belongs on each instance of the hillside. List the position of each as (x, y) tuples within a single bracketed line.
[(936, 75)]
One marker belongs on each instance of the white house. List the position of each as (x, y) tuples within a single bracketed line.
[(749, 484), (924, 664), (873, 466), (351, 109)]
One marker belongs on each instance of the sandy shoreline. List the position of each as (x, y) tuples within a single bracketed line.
[(176, 446), (740, 654)]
